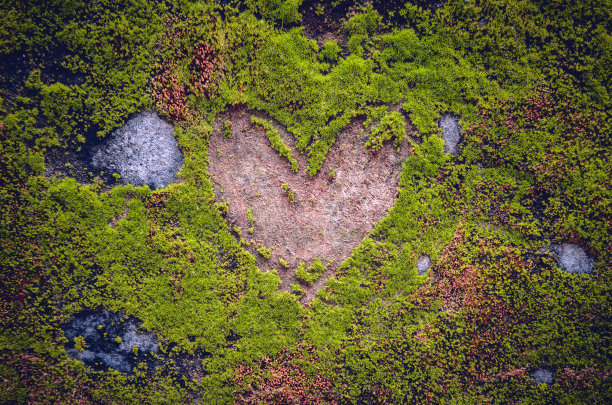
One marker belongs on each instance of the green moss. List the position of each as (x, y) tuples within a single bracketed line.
[(264, 251), (311, 273), (284, 11), (290, 193), (251, 220), (530, 85), (330, 52), (79, 343), (297, 289), (276, 142), (390, 127), (227, 129)]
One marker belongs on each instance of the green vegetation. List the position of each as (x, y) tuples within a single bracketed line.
[(79, 343), (390, 127), (530, 79), (276, 142), (297, 289), (311, 273), (330, 52), (264, 251), (290, 193), (227, 129), (251, 220)]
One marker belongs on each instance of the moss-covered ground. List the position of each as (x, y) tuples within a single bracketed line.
[(530, 79)]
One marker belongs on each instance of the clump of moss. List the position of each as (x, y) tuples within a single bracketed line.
[(297, 289), (330, 52), (311, 273), (390, 127), (289, 192), (227, 129), (251, 220), (264, 251), (276, 142), (79, 343)]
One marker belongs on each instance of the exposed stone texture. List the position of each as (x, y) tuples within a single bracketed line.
[(542, 376), (100, 329), (423, 264), (329, 216), (451, 133), (573, 259), (143, 151)]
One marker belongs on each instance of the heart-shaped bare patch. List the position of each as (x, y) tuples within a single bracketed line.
[(293, 217)]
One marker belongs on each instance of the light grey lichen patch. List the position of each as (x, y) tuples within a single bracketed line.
[(423, 264), (133, 337), (573, 259), (143, 152), (451, 133), (109, 340), (542, 376)]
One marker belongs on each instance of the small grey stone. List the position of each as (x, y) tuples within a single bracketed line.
[(143, 151), (451, 133), (423, 264), (482, 22), (542, 376), (573, 259)]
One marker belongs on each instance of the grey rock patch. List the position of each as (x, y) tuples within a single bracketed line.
[(483, 22), (451, 133), (423, 264), (134, 338), (542, 376), (143, 151), (573, 259), (100, 330)]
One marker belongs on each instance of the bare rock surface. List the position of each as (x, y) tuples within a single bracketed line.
[(111, 340), (143, 151), (573, 259), (329, 217), (542, 376), (451, 133), (423, 264)]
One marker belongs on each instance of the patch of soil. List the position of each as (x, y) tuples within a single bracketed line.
[(330, 216)]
